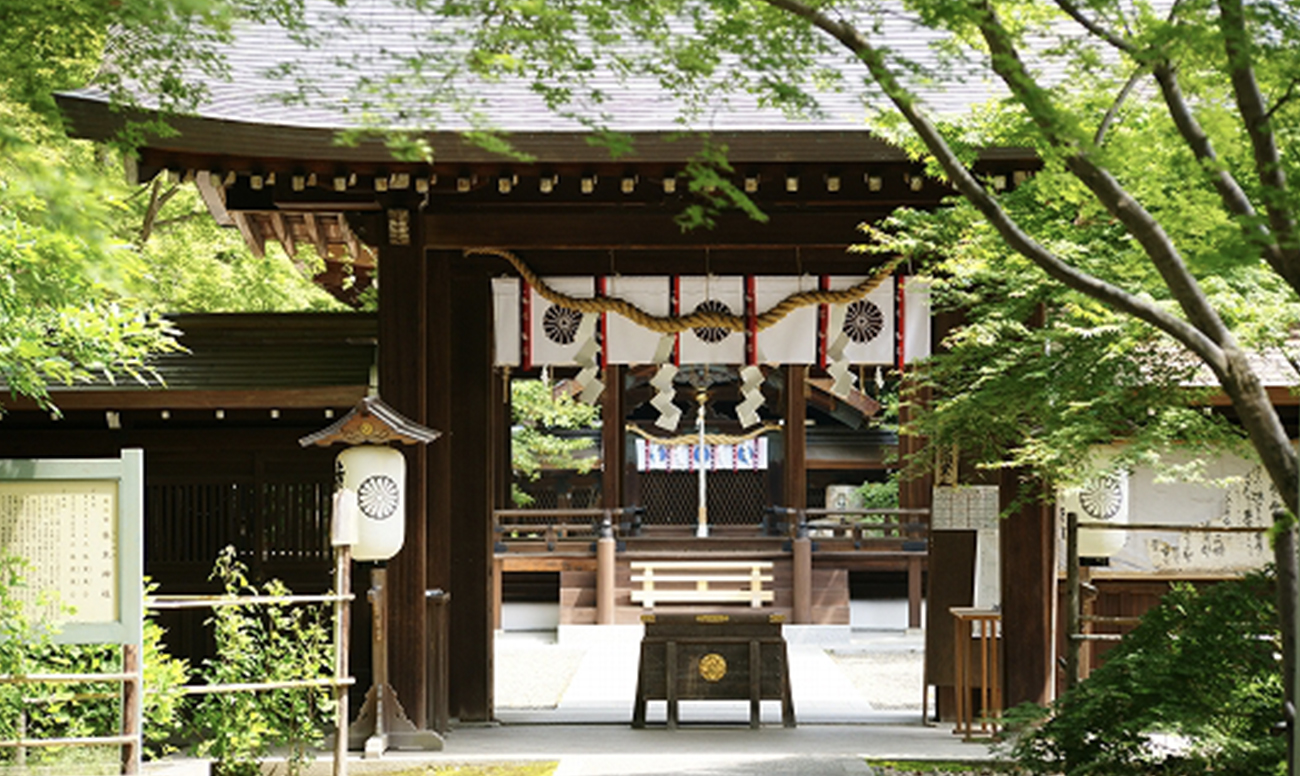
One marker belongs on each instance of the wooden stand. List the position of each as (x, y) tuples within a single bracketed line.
[(381, 723), (713, 657), (987, 621)]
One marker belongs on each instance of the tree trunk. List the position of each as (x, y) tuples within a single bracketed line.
[(1288, 592)]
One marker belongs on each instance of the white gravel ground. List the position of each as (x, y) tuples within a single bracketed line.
[(888, 680), (533, 671)]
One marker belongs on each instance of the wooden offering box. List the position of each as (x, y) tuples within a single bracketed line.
[(713, 657)]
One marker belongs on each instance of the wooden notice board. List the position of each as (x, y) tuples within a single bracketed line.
[(79, 525)]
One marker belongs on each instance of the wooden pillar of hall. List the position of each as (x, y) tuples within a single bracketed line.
[(795, 440), (403, 375), (914, 492), (469, 391), (612, 454), (1027, 545), (1027, 550)]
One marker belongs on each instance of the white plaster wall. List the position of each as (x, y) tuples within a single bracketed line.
[(1236, 492)]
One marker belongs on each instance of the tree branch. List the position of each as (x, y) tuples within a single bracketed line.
[(1215, 346), (1113, 111), (1185, 333), (1136, 219), (1232, 369), (1074, 12), (157, 199), (179, 220), (1234, 197), (1250, 102), (1283, 100)]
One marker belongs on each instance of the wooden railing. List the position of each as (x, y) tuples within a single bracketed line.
[(702, 582), (833, 530), (865, 529), (550, 530), (851, 529)]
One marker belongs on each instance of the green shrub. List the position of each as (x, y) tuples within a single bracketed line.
[(89, 709), (263, 643), (1203, 670)]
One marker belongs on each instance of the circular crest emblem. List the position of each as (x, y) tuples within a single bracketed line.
[(1102, 498), (378, 497), (712, 334), (863, 321), (561, 324), (713, 667)]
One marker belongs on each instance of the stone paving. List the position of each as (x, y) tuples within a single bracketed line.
[(566, 695)]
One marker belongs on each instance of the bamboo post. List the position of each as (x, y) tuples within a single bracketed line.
[(1072, 641), (342, 627), (132, 709), (377, 743)]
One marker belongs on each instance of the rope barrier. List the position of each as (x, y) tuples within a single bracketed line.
[(671, 324)]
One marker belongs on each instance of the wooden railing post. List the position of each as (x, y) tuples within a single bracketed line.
[(606, 551), (801, 558)]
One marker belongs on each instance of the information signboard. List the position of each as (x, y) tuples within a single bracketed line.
[(79, 523)]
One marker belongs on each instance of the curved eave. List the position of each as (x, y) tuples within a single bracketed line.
[(95, 119)]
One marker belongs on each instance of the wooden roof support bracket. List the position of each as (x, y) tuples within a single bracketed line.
[(251, 232), (316, 234)]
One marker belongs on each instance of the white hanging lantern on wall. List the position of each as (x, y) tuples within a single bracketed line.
[(1104, 500)]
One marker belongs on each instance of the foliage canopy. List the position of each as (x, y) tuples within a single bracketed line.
[(82, 285)]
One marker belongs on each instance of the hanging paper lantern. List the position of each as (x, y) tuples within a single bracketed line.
[(1102, 500), (377, 475)]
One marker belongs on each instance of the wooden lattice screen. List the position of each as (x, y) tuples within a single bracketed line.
[(275, 511), (734, 497)]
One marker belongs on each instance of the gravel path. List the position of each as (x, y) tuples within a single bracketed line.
[(890, 681), (534, 672)]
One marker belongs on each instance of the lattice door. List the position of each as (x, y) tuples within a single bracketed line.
[(735, 498)]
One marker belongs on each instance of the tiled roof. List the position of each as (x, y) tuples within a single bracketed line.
[(251, 351), (378, 33)]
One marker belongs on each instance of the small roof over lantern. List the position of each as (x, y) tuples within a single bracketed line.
[(371, 422)]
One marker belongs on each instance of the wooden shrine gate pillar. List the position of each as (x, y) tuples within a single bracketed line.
[(403, 375), (465, 385), (913, 492), (435, 365)]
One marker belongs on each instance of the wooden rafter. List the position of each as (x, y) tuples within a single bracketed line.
[(285, 236), (213, 193), (350, 239), (316, 235), (252, 235)]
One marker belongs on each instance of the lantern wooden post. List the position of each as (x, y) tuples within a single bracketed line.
[(372, 476)]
